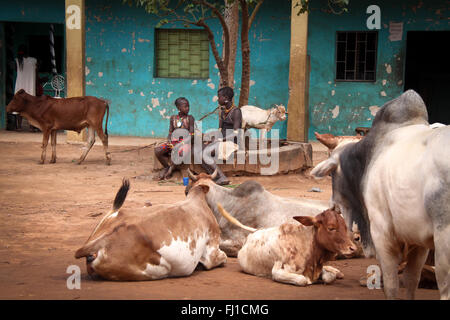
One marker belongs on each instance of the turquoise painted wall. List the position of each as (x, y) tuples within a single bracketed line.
[(51, 11), (340, 107), (2, 77), (120, 60)]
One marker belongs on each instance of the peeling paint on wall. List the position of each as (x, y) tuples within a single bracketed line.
[(374, 110), (210, 84), (388, 68), (335, 112), (155, 102)]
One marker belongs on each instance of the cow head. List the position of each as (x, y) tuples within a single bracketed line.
[(330, 232), (18, 102), (331, 141), (327, 139), (279, 113), (201, 179)]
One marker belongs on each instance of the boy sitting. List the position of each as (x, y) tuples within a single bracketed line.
[(183, 120)]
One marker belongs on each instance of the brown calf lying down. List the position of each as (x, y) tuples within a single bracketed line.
[(154, 242), (51, 114), (295, 253)]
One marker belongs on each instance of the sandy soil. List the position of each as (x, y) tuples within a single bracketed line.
[(48, 211)]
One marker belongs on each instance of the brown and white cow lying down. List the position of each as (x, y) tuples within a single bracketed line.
[(295, 253), (51, 114), (154, 242)]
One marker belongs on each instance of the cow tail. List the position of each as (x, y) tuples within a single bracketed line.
[(232, 219), (107, 116), (121, 195), (92, 246)]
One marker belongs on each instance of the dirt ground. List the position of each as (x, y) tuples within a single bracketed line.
[(48, 211)]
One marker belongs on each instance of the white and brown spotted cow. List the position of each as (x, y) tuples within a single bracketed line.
[(154, 242), (295, 253)]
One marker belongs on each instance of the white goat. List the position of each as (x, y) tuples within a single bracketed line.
[(254, 117)]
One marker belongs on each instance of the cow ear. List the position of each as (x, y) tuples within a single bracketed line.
[(306, 220), (324, 168), (204, 187)]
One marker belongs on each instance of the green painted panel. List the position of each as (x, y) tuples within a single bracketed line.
[(182, 53)]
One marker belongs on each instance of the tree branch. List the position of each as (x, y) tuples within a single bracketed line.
[(219, 61), (226, 32), (252, 17)]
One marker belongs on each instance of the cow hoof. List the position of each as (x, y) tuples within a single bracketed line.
[(52, 161), (41, 162)]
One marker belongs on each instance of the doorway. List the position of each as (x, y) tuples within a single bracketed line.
[(427, 71), (35, 37)]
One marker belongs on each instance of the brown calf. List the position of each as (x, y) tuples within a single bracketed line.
[(295, 253), (51, 114)]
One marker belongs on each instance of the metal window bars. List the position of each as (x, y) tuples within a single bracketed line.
[(356, 53)]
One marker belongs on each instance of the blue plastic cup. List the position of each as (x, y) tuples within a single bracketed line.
[(185, 181)]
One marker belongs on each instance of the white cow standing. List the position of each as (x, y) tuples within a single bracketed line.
[(395, 184)]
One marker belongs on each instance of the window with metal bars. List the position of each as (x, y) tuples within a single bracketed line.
[(181, 53), (356, 55)]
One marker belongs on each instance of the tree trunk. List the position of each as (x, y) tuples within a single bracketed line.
[(221, 63), (245, 48), (231, 17)]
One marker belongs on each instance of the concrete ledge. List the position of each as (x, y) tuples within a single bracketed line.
[(292, 157), (75, 137)]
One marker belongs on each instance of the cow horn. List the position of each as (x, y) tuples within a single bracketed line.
[(214, 174), (191, 175)]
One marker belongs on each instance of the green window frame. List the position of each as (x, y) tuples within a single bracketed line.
[(181, 53)]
